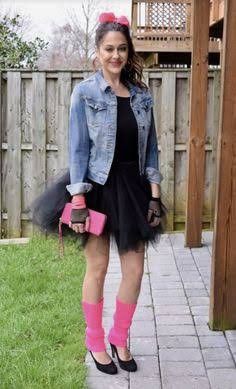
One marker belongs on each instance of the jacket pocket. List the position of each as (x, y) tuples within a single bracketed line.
[(95, 105), (96, 112)]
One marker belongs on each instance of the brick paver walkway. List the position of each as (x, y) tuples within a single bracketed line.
[(169, 337)]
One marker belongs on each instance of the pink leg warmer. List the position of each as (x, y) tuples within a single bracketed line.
[(122, 321), (94, 339)]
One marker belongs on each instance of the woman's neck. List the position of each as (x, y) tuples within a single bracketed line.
[(112, 79)]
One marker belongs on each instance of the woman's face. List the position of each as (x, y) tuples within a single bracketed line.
[(113, 52)]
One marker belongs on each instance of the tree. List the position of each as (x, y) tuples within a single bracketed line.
[(15, 52), (72, 45), (83, 31), (63, 52)]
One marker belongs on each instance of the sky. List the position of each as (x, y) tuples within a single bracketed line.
[(44, 13)]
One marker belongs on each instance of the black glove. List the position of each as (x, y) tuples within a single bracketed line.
[(154, 211), (79, 215)]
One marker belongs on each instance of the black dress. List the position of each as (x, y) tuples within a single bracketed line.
[(124, 198)]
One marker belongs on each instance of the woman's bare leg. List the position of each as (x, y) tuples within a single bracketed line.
[(96, 254), (132, 266)]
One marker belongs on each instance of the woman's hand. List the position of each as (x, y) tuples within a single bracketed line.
[(79, 220), (154, 212), (79, 214)]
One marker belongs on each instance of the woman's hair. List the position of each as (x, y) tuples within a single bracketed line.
[(133, 69)]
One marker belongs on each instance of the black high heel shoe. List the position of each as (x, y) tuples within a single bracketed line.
[(108, 368), (125, 365)]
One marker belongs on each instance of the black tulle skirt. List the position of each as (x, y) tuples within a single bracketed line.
[(124, 198)]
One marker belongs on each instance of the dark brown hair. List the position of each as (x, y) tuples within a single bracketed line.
[(133, 69)]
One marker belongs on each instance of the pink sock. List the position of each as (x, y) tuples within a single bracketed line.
[(94, 339), (122, 321)]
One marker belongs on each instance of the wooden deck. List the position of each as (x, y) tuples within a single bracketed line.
[(151, 43), (166, 26)]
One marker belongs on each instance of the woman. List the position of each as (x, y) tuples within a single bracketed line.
[(113, 166)]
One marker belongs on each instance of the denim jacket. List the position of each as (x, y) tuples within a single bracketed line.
[(92, 133)]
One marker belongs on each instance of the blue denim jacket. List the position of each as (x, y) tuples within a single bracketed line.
[(92, 133)]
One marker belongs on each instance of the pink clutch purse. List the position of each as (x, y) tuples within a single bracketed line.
[(96, 223)]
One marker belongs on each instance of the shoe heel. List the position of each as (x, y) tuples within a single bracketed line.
[(129, 365), (112, 350)]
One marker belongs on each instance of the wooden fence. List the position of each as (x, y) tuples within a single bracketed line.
[(34, 140)]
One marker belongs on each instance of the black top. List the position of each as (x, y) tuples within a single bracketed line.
[(126, 148)]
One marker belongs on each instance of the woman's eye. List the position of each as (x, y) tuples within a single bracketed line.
[(121, 49)]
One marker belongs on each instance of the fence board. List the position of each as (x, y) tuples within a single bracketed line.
[(26, 110), (168, 141), (13, 179), (38, 132), (64, 92), (182, 110), (51, 110)]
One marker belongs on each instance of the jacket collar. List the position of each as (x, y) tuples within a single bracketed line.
[(133, 89)]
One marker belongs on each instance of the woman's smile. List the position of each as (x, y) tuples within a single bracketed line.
[(116, 64)]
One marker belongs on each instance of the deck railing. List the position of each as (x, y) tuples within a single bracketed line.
[(158, 18), (167, 23)]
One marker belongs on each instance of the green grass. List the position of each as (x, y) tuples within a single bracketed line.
[(41, 321)]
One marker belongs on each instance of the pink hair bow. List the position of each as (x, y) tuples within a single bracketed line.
[(109, 17)]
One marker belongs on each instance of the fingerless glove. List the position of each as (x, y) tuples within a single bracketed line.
[(154, 210), (79, 211)]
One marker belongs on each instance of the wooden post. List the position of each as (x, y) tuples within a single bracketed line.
[(134, 17), (216, 111), (223, 276), (215, 10), (198, 105)]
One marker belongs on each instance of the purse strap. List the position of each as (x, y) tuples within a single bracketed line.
[(61, 244)]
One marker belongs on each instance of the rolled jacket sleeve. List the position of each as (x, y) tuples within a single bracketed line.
[(78, 145), (152, 171)]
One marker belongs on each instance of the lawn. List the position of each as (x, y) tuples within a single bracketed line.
[(41, 321)]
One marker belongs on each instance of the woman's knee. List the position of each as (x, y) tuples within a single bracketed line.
[(97, 272), (132, 265), (133, 274)]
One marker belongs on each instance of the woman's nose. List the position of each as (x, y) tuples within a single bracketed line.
[(116, 54)]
